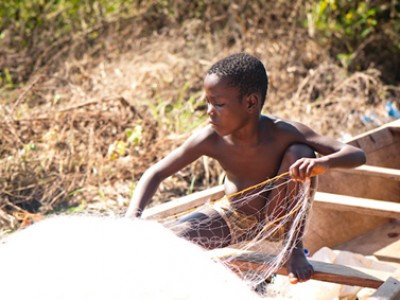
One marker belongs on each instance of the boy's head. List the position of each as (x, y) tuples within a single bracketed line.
[(243, 71)]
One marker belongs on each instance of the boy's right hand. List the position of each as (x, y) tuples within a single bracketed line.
[(305, 168)]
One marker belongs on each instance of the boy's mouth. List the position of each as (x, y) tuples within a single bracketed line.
[(213, 124)]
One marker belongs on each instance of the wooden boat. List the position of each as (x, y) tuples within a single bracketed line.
[(353, 210), (352, 202)]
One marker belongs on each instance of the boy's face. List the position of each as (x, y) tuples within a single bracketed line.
[(225, 107)]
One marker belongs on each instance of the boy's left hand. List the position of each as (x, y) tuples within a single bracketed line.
[(307, 167)]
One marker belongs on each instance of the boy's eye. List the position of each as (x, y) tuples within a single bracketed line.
[(213, 103)]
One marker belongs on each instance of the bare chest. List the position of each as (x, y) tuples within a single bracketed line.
[(246, 166)]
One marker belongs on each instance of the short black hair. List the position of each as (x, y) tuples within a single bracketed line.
[(243, 71)]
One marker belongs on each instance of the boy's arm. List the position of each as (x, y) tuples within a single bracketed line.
[(335, 155), (148, 184)]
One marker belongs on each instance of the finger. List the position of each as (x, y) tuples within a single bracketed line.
[(310, 169), (303, 170), (308, 173), (293, 170), (297, 170)]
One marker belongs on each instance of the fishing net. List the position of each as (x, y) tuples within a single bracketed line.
[(101, 258), (273, 229)]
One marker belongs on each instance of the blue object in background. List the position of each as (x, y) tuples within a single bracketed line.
[(392, 111), (306, 252), (367, 119)]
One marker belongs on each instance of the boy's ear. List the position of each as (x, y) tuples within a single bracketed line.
[(253, 102)]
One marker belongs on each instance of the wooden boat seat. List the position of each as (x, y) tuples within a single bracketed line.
[(367, 206), (388, 288), (184, 203), (388, 173), (255, 261), (394, 126)]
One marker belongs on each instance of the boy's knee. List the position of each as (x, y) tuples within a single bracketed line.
[(181, 229), (297, 151)]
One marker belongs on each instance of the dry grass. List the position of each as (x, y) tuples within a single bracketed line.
[(85, 127)]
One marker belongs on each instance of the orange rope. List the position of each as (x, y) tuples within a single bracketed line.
[(26, 218)]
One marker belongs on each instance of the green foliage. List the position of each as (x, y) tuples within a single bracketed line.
[(134, 135), (182, 112), (24, 20), (180, 115), (36, 31), (344, 19), (350, 25), (120, 148), (6, 79)]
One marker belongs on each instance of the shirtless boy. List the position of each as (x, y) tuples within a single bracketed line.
[(251, 147)]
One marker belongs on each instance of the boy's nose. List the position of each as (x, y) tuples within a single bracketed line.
[(210, 110)]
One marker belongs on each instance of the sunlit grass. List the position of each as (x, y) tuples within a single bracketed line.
[(181, 115)]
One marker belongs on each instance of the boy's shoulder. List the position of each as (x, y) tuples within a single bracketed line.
[(278, 123), (203, 141), (205, 133), (283, 126), (203, 136)]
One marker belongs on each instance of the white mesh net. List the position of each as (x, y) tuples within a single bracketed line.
[(273, 229)]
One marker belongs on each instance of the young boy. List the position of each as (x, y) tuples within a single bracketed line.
[(250, 147)]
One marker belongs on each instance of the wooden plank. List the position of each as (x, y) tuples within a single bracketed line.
[(382, 242), (387, 157), (395, 128), (389, 290), (329, 228), (388, 173), (395, 125), (341, 274), (391, 126), (360, 185), (372, 207), (322, 200), (378, 138), (185, 203)]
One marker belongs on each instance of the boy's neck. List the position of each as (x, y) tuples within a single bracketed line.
[(249, 135)]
